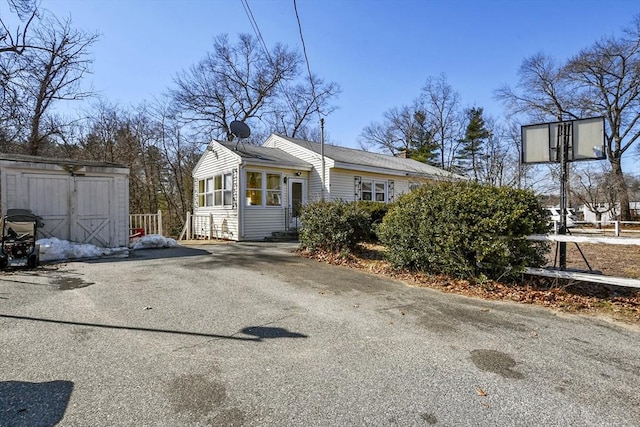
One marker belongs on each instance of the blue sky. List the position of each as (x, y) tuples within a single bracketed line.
[(379, 51)]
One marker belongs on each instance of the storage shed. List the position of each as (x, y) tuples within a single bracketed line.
[(79, 200)]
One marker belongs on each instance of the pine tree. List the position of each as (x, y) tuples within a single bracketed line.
[(473, 143), (419, 140)]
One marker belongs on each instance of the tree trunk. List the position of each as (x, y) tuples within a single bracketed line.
[(621, 186)]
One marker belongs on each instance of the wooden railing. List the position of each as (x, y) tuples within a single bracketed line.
[(144, 224), (202, 227)]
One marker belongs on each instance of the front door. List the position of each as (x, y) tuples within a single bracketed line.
[(297, 198)]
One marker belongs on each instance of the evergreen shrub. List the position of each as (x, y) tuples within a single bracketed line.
[(336, 226), (377, 211), (465, 230)]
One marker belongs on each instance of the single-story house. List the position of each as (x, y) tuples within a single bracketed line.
[(610, 215), (247, 192), (79, 200)]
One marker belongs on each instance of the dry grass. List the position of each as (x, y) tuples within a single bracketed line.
[(611, 260), (618, 303)]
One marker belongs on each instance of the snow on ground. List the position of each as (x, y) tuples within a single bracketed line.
[(153, 241), (54, 249)]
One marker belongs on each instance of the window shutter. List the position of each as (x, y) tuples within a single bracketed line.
[(357, 184), (391, 192), (234, 188), (195, 193)]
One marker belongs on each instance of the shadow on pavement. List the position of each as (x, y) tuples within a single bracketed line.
[(259, 332), (33, 404), (151, 253), (267, 332)]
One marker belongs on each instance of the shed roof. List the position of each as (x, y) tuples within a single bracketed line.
[(265, 156), (351, 156), (57, 161)]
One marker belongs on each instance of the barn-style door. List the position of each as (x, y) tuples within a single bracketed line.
[(75, 208)]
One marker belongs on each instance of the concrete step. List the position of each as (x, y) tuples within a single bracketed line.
[(283, 236)]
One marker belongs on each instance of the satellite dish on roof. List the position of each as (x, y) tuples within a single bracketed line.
[(239, 129)]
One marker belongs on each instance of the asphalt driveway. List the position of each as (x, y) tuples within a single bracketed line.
[(251, 334)]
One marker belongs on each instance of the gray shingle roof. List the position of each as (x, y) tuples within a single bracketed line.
[(57, 161), (255, 154), (376, 160)]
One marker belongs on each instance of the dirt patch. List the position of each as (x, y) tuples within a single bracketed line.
[(614, 302)]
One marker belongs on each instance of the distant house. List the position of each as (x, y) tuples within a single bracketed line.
[(610, 215), (247, 192)]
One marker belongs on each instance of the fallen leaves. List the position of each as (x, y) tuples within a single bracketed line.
[(616, 302)]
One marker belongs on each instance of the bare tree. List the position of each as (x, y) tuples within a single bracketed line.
[(595, 190), (544, 91), (609, 73), (16, 40), (299, 105), (50, 75), (404, 129), (179, 155), (243, 82), (601, 80), (441, 105)]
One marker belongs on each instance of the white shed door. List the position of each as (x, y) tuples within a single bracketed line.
[(75, 208), (48, 196), (91, 216)]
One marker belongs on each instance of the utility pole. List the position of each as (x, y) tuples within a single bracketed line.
[(322, 176)]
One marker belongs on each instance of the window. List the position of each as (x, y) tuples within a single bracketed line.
[(201, 192), (216, 191), (227, 191), (254, 188), (273, 190), (374, 190), (267, 184)]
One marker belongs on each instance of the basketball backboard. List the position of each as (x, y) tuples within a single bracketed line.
[(585, 138)]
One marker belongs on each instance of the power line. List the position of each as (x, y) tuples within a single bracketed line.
[(306, 58), (256, 30)]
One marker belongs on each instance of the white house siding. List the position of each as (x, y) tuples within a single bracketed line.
[(314, 183), (343, 183), (261, 222), (215, 223), (216, 161)]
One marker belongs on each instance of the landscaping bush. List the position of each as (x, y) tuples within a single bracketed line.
[(377, 211), (465, 230), (333, 226)]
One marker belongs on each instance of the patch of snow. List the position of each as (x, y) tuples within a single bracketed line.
[(153, 241), (54, 249)]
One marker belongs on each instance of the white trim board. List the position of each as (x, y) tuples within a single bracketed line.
[(583, 277), (585, 239)]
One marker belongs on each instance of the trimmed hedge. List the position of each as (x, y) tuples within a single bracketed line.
[(376, 211), (333, 226), (465, 230)]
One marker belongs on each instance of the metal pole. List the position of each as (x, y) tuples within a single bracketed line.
[(564, 134), (322, 177)]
